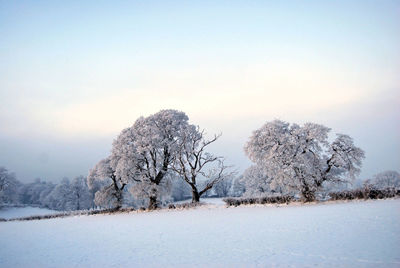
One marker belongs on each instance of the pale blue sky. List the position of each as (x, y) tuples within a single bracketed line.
[(73, 74)]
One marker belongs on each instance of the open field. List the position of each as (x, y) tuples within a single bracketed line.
[(19, 212), (353, 234)]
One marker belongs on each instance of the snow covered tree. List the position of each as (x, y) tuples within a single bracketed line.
[(223, 187), (238, 186), (386, 179), (35, 193), (180, 189), (60, 198), (143, 153), (194, 164), (256, 182), (80, 193), (8, 187), (46, 190), (301, 158), (111, 195)]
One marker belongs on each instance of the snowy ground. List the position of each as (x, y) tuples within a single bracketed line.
[(18, 212), (354, 234)]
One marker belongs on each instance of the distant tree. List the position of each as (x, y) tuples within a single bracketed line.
[(301, 158), (238, 187), (61, 197), (143, 153), (65, 195), (256, 181), (8, 187), (35, 193), (193, 163), (223, 187), (111, 194), (96, 186), (386, 179), (180, 189), (80, 193), (46, 189)]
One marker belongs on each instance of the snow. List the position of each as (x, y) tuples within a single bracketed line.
[(18, 212), (349, 234)]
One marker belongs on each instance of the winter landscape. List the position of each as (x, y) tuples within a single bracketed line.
[(199, 134), (355, 234)]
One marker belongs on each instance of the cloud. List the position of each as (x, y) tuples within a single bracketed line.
[(220, 93)]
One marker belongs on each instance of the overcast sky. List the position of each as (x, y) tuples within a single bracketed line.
[(74, 74)]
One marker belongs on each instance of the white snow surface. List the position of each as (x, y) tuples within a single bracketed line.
[(18, 212), (349, 234)]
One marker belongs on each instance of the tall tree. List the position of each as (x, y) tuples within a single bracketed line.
[(143, 153), (301, 158)]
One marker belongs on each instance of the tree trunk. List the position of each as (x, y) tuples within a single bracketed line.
[(307, 194), (195, 196), (153, 204), (119, 200)]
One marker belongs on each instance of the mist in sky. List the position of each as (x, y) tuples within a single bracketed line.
[(74, 74)]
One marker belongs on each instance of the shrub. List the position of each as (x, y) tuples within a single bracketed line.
[(185, 205), (365, 193), (278, 199), (73, 213)]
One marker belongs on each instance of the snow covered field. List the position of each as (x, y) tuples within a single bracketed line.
[(18, 212), (354, 234)]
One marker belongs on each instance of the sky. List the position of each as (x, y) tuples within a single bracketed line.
[(73, 74)]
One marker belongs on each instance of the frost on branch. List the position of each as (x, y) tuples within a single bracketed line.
[(200, 169), (256, 182), (8, 187), (143, 153), (110, 195), (386, 179), (300, 158)]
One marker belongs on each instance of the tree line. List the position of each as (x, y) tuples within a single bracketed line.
[(163, 158)]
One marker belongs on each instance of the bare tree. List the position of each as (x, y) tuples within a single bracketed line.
[(193, 162)]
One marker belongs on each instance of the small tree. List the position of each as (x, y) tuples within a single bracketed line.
[(301, 158), (35, 193), (223, 187), (61, 198), (386, 179), (238, 187), (8, 187), (111, 195), (193, 162), (256, 181), (80, 193), (180, 189)]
